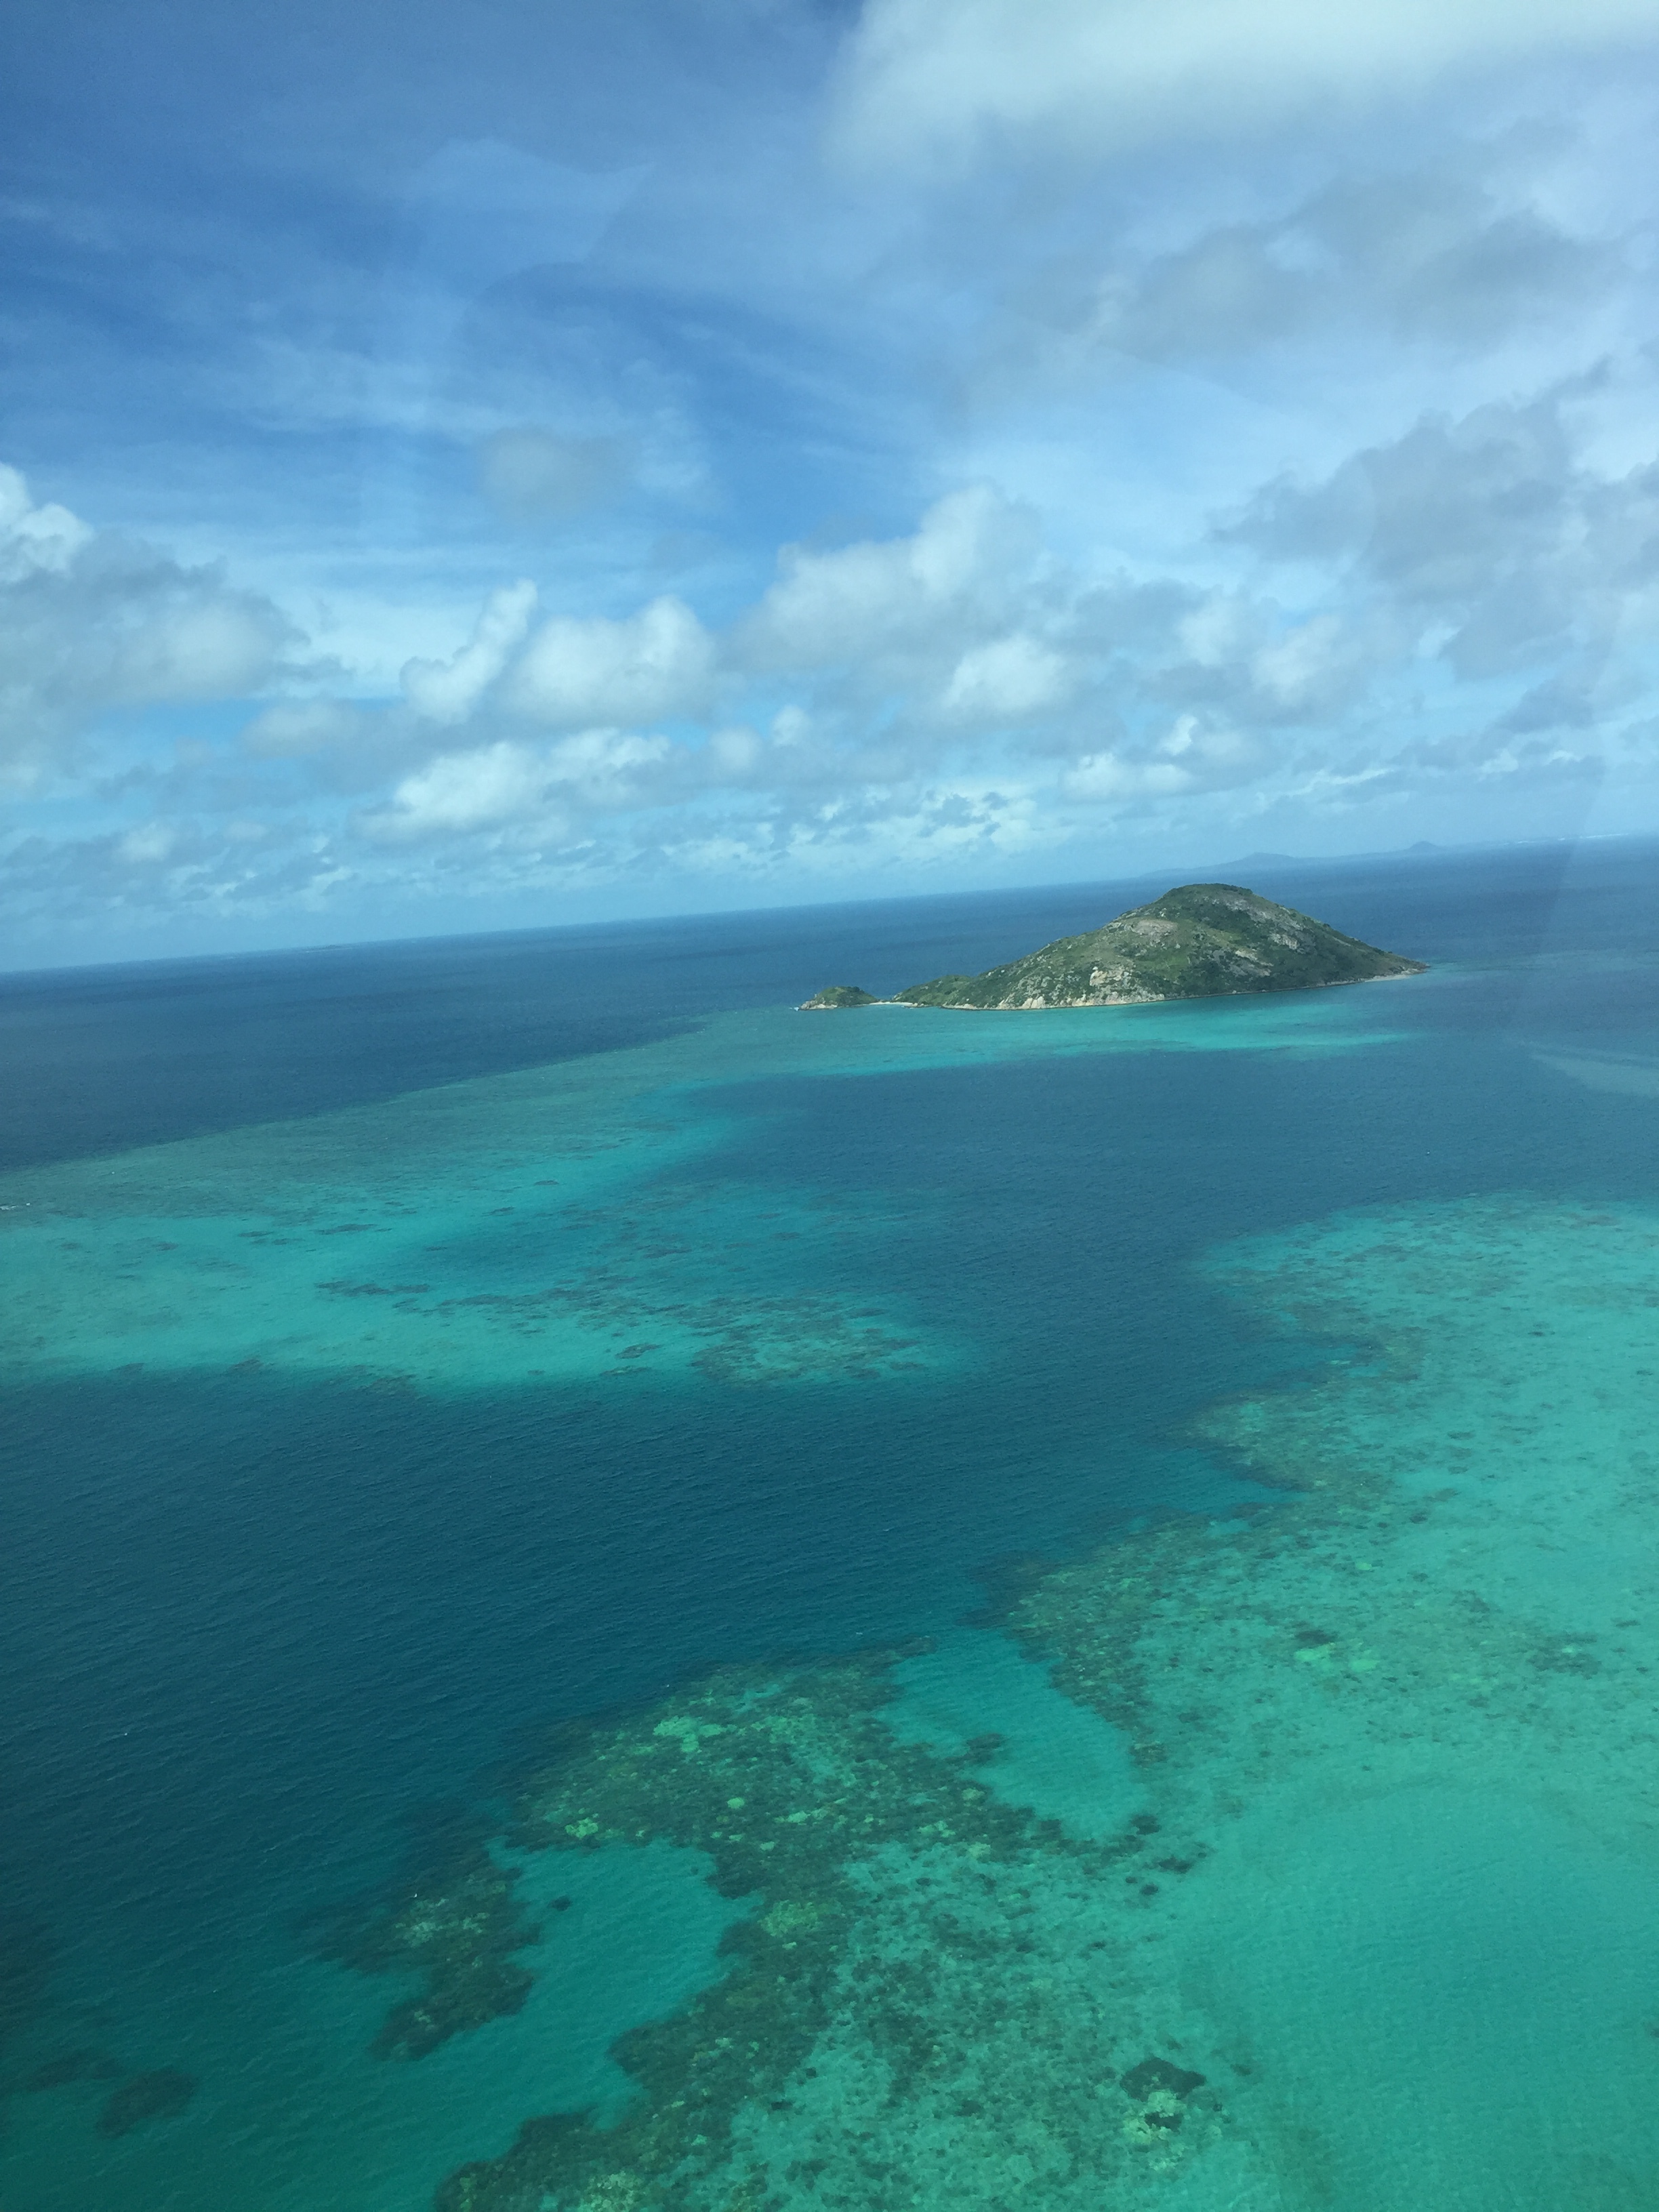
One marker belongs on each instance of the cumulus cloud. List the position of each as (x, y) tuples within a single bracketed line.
[(1446, 256), (610, 767), (449, 690), (510, 784), (35, 538), (1195, 755), (959, 681), (1463, 606), (578, 671), (1488, 528), (461, 793), (90, 622), (894, 611), (941, 81), (1012, 679), (1110, 776), (1314, 667)]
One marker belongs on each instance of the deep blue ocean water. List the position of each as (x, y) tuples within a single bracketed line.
[(258, 1622)]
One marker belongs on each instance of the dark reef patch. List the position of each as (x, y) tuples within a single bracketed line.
[(788, 1779), (791, 1783), (162, 2095), (72, 2067), (1153, 2075), (450, 1914)]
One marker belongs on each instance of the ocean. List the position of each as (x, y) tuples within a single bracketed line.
[(616, 1596)]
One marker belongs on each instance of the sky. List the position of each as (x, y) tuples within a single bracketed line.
[(466, 468)]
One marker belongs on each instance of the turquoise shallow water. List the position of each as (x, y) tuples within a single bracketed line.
[(282, 2048), (387, 1478), (525, 1228), (978, 1698)]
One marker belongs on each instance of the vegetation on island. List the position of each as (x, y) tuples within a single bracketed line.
[(838, 995), (1199, 941)]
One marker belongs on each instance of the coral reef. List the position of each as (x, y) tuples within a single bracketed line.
[(449, 1915), (1387, 1680), (906, 1919)]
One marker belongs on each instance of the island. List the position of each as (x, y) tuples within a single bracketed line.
[(837, 996), (1198, 941)]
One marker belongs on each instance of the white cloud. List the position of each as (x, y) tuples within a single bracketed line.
[(459, 792), (1463, 253), (929, 596), (1313, 667), (1107, 775), (1194, 756), (1461, 608), (203, 642), (935, 81), (449, 690), (489, 787), (1010, 680), (579, 671), (607, 768), (1486, 539), (90, 622), (35, 537)]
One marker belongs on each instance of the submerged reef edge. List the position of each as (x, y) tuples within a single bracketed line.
[(938, 1992)]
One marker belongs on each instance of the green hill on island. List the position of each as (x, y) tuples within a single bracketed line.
[(1200, 941), (839, 995)]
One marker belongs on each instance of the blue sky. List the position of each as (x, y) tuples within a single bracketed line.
[(474, 467)]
